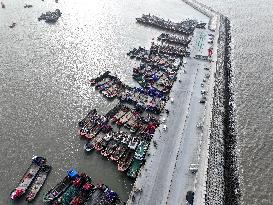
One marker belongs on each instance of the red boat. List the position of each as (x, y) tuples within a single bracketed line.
[(110, 148), (118, 152), (28, 177), (126, 160)]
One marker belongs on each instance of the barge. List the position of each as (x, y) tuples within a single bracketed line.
[(38, 182), (28, 177)]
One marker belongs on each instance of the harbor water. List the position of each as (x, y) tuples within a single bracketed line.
[(44, 73)]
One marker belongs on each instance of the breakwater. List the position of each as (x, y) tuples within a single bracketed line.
[(222, 186), (231, 173)]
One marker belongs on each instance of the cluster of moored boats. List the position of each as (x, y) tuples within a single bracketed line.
[(125, 132), (51, 16), (32, 180), (110, 86), (126, 148), (178, 51), (170, 38), (74, 189), (185, 27), (79, 189)]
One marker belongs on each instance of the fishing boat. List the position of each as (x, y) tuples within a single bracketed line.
[(112, 145), (3, 5), (116, 155), (95, 198), (134, 168), (126, 160), (108, 136), (12, 25), (101, 144), (38, 182), (132, 120), (101, 77), (120, 113), (109, 196), (94, 131), (61, 187), (75, 189), (27, 6), (136, 127), (201, 25), (105, 86), (90, 145), (102, 83), (28, 177), (87, 118), (84, 194), (133, 143), (124, 118), (141, 150), (51, 17), (113, 111), (126, 139)]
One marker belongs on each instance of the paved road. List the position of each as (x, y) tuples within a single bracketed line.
[(183, 180)]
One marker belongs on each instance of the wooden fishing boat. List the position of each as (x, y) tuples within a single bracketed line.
[(122, 112), (112, 145), (38, 182), (116, 155), (87, 118), (141, 150), (28, 177), (90, 145), (61, 187), (84, 194), (133, 143), (134, 168), (101, 144), (95, 198), (126, 160), (93, 131), (124, 118), (75, 189)]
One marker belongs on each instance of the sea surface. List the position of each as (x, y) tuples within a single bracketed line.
[(252, 40), (44, 90)]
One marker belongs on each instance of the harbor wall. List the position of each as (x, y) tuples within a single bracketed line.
[(222, 177), (222, 186), (215, 171), (232, 192)]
